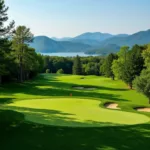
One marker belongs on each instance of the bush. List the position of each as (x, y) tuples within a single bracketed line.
[(60, 71), (47, 70)]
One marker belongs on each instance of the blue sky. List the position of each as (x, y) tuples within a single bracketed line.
[(68, 18)]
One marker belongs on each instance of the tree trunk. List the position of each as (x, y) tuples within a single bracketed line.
[(21, 70), (113, 78), (130, 85), (27, 76), (0, 79)]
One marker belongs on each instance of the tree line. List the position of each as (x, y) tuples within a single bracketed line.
[(72, 65)]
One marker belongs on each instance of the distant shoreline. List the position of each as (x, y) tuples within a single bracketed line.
[(69, 54)]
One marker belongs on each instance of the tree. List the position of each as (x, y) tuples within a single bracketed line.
[(106, 67), (41, 63), (119, 64), (134, 65), (91, 68), (47, 70), (30, 63), (77, 66), (142, 83), (60, 71), (146, 56), (21, 38), (5, 30), (4, 43)]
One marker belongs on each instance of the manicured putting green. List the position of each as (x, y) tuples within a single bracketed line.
[(74, 112)]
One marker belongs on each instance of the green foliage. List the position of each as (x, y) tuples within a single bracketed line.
[(129, 64), (5, 30), (4, 43), (25, 57), (118, 65), (47, 70), (77, 66), (60, 71), (91, 68), (40, 62), (142, 83), (90, 65), (106, 68), (133, 65), (146, 56)]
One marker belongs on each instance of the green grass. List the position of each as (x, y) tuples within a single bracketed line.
[(74, 112), (38, 100)]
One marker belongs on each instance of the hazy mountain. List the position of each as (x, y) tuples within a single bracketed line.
[(86, 41), (121, 35), (43, 44), (61, 39), (142, 37), (97, 36), (104, 50), (90, 42), (75, 47)]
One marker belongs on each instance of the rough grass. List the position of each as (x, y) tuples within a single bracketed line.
[(32, 136)]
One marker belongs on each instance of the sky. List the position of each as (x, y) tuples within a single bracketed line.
[(69, 18)]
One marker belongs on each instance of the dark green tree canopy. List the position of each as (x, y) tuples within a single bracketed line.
[(106, 68), (77, 67), (5, 31), (142, 83)]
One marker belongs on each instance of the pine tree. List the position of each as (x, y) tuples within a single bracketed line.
[(21, 38), (77, 66), (5, 32)]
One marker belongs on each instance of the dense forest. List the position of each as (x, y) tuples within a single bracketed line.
[(20, 62)]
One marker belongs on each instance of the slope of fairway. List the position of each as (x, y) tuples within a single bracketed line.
[(74, 112)]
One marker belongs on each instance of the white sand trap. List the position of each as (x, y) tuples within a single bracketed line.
[(111, 105), (143, 109), (84, 88)]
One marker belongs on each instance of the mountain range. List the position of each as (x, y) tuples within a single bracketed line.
[(91, 43)]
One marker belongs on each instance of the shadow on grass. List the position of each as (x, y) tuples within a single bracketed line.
[(51, 86), (57, 118), (6, 100), (30, 136)]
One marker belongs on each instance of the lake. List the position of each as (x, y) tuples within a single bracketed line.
[(68, 54)]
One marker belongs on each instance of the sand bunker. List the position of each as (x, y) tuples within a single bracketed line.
[(111, 105), (84, 88), (143, 109)]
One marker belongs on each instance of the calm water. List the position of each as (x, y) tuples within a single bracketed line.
[(68, 54)]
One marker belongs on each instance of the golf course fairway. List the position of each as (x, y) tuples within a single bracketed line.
[(74, 112)]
